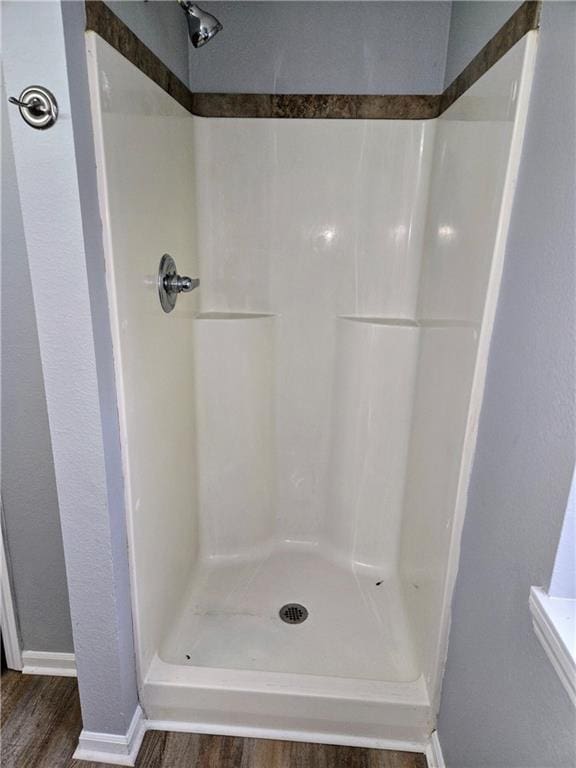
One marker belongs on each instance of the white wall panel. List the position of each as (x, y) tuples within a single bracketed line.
[(310, 220), (145, 163), (234, 381), (374, 390), (474, 171)]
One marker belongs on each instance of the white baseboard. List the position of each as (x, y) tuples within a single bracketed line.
[(48, 663), (434, 754), (114, 749), (8, 618), (251, 732)]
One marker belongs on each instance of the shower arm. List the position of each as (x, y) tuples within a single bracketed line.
[(190, 8), (202, 26)]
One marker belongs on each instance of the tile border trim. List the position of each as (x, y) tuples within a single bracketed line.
[(100, 19), (317, 106)]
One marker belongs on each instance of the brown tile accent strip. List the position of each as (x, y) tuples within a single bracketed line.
[(527, 17), (232, 104), (309, 106), (102, 20)]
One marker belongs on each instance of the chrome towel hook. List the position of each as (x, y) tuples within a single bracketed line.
[(37, 106)]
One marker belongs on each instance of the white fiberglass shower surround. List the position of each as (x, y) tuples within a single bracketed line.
[(300, 428)]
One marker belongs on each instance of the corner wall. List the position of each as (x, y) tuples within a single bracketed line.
[(503, 705)]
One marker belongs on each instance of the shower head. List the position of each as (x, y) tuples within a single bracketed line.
[(202, 26)]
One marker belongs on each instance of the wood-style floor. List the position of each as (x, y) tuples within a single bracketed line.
[(41, 723)]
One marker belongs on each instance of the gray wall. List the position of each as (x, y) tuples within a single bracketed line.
[(472, 24), (503, 705), (161, 25), (324, 47), (33, 536)]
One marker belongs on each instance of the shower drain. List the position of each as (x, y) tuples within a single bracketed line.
[(293, 613)]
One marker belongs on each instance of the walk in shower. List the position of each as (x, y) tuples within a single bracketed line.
[(300, 428)]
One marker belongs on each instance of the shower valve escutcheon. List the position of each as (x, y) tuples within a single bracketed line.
[(170, 283)]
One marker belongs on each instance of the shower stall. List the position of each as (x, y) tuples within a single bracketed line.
[(300, 428)]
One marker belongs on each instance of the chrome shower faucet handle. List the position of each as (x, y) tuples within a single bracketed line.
[(170, 283), (180, 283)]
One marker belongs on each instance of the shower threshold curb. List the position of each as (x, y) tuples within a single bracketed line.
[(280, 705)]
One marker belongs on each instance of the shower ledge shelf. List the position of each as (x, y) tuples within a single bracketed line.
[(392, 322), (395, 321), (232, 316), (404, 322)]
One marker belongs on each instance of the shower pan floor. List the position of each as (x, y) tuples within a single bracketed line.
[(356, 625)]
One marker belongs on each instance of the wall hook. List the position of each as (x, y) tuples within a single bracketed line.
[(37, 106)]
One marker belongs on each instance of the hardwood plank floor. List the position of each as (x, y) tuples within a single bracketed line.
[(41, 721)]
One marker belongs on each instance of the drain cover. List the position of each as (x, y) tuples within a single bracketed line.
[(293, 613)]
